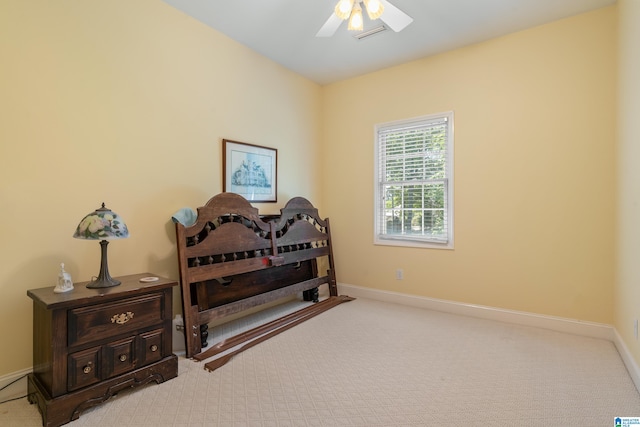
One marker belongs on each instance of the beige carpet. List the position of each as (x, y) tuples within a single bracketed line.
[(369, 363)]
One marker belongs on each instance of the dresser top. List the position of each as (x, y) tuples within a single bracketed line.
[(131, 285)]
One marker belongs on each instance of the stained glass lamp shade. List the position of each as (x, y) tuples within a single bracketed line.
[(103, 224)]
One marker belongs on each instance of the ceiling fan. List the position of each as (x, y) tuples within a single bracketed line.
[(393, 17)]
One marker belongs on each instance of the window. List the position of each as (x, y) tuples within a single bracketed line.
[(414, 182)]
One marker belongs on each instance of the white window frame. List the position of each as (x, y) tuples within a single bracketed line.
[(410, 240)]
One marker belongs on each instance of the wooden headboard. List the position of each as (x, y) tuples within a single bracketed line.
[(232, 259)]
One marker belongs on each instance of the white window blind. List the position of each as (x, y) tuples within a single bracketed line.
[(414, 181)]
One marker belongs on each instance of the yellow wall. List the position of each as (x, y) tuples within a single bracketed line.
[(535, 118), (627, 295), (126, 102)]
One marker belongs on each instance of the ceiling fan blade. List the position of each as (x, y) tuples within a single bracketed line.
[(396, 19), (330, 27)]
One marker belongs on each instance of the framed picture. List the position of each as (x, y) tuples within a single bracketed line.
[(250, 171)]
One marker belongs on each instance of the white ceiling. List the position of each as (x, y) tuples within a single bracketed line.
[(284, 30)]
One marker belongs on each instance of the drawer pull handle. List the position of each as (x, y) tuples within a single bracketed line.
[(87, 369), (122, 357), (123, 318), (154, 348)]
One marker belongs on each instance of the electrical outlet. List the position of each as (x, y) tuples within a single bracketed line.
[(635, 328), (399, 274)]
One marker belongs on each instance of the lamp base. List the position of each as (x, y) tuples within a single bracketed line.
[(102, 282), (104, 279)]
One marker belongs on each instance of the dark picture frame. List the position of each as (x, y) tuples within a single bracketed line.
[(250, 171)]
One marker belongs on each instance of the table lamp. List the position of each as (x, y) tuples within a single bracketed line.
[(103, 224)]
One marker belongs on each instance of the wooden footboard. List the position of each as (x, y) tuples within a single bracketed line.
[(231, 259)]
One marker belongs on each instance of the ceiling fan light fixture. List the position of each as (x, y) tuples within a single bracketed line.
[(374, 9), (343, 9), (356, 22), (351, 10)]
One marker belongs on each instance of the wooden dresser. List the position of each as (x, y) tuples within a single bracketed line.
[(88, 344)]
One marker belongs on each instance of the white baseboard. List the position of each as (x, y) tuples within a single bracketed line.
[(627, 358), (559, 324), (18, 388)]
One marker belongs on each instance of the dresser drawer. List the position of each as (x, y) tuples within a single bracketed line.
[(119, 357), (95, 364), (84, 368), (151, 346), (101, 321)]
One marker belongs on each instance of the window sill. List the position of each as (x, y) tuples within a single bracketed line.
[(411, 243)]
